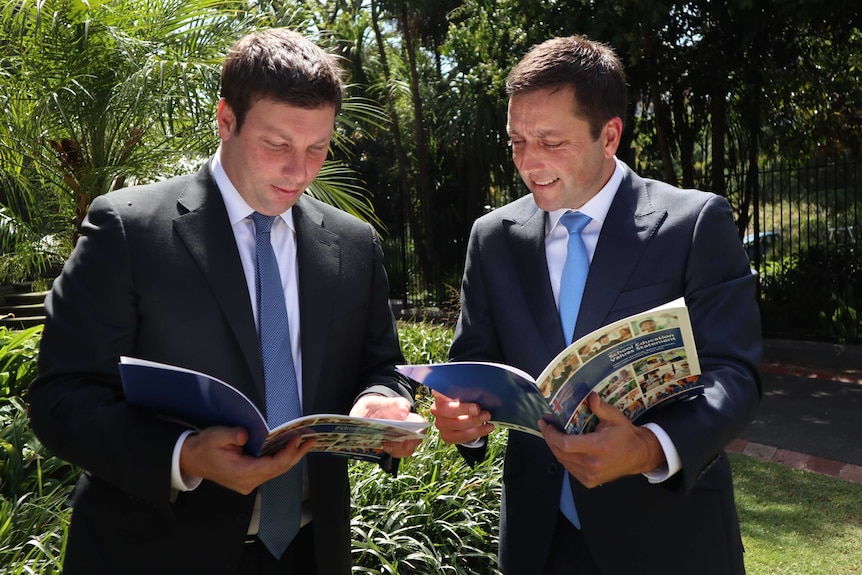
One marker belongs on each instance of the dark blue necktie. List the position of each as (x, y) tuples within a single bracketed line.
[(571, 291), (281, 497)]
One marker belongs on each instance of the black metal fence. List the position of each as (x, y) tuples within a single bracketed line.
[(799, 207), (803, 236), (801, 226)]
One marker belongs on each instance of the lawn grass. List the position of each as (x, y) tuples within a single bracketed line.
[(797, 522)]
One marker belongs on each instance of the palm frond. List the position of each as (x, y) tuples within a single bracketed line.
[(340, 186)]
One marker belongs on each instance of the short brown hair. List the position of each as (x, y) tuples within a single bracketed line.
[(281, 65), (590, 67)]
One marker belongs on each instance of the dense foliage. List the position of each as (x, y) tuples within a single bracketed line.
[(96, 95), (830, 277), (99, 95), (33, 485)]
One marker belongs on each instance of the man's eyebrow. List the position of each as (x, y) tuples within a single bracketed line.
[(550, 133), (288, 136), (326, 139)]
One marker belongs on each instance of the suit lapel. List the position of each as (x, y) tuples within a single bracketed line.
[(319, 262), (206, 232), (631, 222), (527, 242)]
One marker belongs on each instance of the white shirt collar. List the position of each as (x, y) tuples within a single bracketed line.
[(237, 208)]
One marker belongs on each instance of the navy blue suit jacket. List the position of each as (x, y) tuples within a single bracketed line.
[(658, 243), (157, 275)]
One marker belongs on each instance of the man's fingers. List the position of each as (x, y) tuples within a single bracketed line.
[(459, 422), (603, 410), (401, 449), (293, 451), (466, 435), (451, 408)]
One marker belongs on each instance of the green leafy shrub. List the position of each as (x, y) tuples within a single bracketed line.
[(439, 515), (33, 484), (816, 294), (424, 341), (19, 351), (33, 491)]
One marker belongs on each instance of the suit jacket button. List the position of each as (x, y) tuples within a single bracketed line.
[(552, 469)]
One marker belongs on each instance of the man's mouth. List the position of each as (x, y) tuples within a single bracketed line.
[(285, 190), (545, 182)]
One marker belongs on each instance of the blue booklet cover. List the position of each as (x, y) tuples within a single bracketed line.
[(509, 394), (635, 364), (203, 401)]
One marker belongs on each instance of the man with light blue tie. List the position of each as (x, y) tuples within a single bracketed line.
[(233, 272), (593, 243)]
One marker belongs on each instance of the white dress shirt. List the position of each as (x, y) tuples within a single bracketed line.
[(283, 236), (556, 247)]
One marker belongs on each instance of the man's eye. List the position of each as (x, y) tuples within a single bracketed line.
[(551, 145), (513, 143)]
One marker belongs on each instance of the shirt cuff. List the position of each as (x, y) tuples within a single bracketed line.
[(673, 463), (480, 442), (177, 481)]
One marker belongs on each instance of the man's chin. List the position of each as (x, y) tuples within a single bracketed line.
[(545, 203)]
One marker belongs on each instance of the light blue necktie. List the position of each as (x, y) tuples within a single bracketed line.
[(281, 497), (571, 291)]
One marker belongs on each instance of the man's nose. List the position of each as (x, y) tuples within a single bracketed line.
[(295, 166), (528, 158)]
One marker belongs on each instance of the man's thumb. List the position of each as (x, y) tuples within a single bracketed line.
[(603, 410)]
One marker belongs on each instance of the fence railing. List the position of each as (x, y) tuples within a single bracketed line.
[(805, 239), (799, 207), (803, 235)]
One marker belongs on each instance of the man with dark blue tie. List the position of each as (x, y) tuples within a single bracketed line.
[(233, 272), (593, 243)]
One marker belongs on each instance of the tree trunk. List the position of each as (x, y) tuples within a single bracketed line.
[(425, 205), (685, 133), (662, 118), (718, 113), (400, 154)]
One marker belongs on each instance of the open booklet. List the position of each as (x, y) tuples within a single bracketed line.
[(201, 400), (634, 364)]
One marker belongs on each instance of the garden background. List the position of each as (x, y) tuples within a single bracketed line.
[(757, 101)]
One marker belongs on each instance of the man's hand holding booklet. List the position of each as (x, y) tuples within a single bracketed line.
[(200, 400), (635, 364)]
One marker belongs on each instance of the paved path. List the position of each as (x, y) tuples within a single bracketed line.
[(810, 417)]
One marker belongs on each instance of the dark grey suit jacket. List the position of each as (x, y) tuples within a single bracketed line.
[(657, 243), (157, 274)]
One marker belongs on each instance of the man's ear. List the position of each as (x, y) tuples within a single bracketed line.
[(226, 120), (612, 134)]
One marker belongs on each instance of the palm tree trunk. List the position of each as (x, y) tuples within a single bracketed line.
[(423, 183)]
